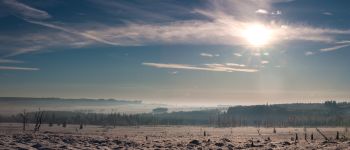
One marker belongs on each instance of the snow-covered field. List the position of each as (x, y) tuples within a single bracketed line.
[(167, 137)]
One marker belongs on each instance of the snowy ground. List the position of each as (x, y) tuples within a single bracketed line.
[(167, 137)]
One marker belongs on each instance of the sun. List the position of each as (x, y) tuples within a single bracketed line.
[(257, 35)]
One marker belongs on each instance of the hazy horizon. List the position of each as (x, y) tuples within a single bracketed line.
[(190, 53)]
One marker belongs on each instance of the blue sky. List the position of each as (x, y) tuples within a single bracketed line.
[(181, 52)]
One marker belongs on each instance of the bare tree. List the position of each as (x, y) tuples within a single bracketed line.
[(114, 120), (38, 120), (24, 117)]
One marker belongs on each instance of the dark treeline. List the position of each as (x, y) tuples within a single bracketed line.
[(282, 115), (118, 119), (329, 113)]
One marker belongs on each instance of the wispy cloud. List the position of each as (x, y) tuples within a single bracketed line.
[(237, 54), (36, 16), (226, 20), (41, 41), (334, 48), (308, 33), (18, 68), (327, 13), (23, 50), (24, 10), (205, 67), (174, 72), (209, 55), (235, 65), (10, 61), (135, 11), (343, 42), (264, 62), (277, 12), (222, 31), (309, 53), (72, 31), (261, 11)]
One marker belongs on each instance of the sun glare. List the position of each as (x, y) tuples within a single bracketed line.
[(257, 35)]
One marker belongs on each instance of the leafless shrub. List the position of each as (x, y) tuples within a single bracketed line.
[(38, 120), (24, 117), (305, 137), (258, 131), (337, 136), (319, 131)]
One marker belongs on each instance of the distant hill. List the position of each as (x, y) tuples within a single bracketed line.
[(80, 101), (12, 105)]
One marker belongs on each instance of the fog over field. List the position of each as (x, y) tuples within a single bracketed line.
[(15, 105)]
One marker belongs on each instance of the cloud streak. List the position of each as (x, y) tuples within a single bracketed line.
[(24, 10), (205, 67), (224, 27), (261, 11), (18, 68), (327, 13), (343, 42), (334, 48), (72, 31), (209, 55), (10, 61), (309, 53)]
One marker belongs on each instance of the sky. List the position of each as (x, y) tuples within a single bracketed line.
[(182, 52)]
